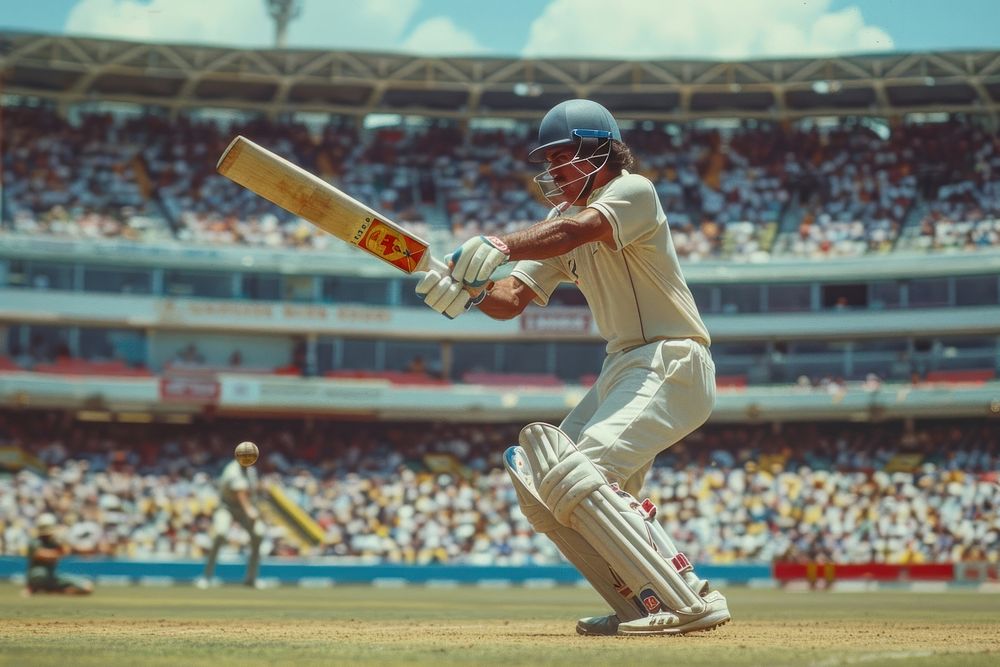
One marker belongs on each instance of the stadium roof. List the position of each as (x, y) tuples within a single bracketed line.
[(73, 69)]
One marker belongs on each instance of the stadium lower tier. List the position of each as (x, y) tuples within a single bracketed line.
[(894, 492)]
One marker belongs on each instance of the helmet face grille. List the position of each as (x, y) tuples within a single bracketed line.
[(593, 149)]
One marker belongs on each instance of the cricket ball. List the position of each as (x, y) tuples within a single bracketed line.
[(246, 453)]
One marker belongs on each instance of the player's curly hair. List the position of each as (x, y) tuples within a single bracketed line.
[(621, 157)]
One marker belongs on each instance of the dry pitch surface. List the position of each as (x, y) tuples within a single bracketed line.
[(416, 625)]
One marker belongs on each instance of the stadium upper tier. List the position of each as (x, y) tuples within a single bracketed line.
[(175, 76), (745, 192)]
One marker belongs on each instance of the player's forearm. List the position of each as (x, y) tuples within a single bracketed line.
[(477, 258), (541, 241), (550, 238), (244, 499), (506, 300), (250, 510), (497, 309)]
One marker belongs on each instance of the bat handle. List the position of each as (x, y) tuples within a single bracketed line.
[(435, 264)]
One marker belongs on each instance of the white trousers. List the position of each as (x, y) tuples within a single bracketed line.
[(223, 517), (644, 401)]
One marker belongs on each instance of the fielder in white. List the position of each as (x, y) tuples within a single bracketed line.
[(577, 483), (237, 492)]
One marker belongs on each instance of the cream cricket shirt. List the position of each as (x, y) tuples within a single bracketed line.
[(235, 478), (637, 292)]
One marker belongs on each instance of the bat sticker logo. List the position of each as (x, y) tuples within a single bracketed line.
[(393, 246)]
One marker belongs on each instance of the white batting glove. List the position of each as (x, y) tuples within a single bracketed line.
[(477, 259), (444, 294)]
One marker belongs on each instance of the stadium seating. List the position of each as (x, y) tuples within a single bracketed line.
[(849, 493), (68, 366), (743, 193), (512, 379), (730, 381), (395, 377)]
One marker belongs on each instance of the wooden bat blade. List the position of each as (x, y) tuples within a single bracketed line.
[(296, 190)]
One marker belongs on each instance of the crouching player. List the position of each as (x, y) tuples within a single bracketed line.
[(44, 553), (608, 234)]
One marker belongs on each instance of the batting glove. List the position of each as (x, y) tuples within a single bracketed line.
[(477, 259), (444, 294)]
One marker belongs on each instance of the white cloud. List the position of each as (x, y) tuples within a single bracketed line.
[(727, 29), (332, 24), (440, 36), (180, 21), (369, 25)]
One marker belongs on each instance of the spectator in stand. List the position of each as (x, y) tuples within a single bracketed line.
[(189, 356), (417, 366)]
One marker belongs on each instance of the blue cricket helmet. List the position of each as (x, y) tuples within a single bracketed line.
[(572, 121)]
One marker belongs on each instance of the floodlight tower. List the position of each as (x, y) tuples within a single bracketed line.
[(283, 12)]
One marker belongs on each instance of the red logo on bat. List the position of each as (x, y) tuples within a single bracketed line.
[(394, 247)]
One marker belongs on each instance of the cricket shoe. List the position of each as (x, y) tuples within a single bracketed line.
[(607, 626), (668, 623), (600, 626), (204, 583)]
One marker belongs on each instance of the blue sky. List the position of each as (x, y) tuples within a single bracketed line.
[(543, 28)]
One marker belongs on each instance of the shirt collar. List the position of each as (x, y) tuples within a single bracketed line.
[(598, 192)]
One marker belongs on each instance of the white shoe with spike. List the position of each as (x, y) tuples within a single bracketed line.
[(668, 623)]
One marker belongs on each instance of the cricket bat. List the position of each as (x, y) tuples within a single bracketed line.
[(296, 190)]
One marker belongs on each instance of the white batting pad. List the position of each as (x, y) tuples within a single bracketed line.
[(576, 550), (576, 492), (664, 544)]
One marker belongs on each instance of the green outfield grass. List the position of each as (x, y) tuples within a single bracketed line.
[(434, 626)]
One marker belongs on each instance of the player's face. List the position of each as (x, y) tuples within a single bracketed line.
[(559, 159), (565, 174)]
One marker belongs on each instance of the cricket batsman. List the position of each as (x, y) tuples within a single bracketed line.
[(577, 483), (237, 491), (44, 552)]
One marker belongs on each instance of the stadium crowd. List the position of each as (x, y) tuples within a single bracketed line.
[(895, 493), (742, 192)]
